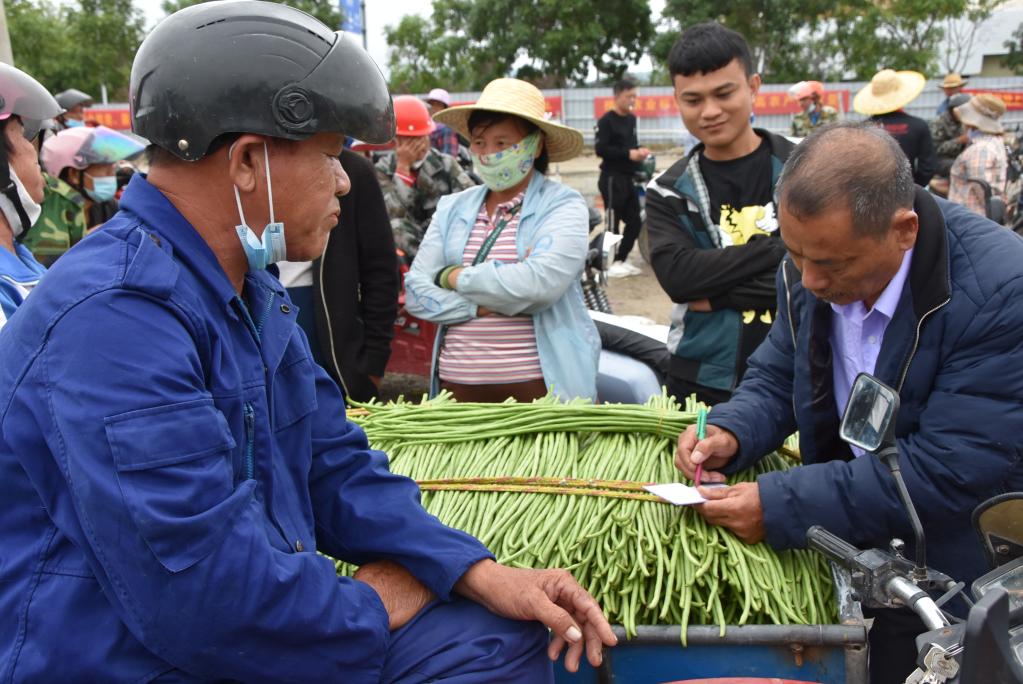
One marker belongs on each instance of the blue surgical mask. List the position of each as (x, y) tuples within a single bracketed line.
[(261, 252), (103, 188), (974, 133), (73, 123)]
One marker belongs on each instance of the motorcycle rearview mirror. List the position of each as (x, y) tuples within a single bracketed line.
[(869, 419), (999, 524), (869, 423)]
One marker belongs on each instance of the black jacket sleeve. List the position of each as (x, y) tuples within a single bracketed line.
[(758, 294), (687, 272), (378, 270), (602, 142), (926, 161)]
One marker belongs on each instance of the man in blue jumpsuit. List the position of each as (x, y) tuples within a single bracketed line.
[(170, 457)]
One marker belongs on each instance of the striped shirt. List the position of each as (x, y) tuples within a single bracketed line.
[(985, 158), (493, 349)]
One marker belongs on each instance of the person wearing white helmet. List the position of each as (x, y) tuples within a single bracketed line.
[(81, 184), (443, 138), (24, 104)]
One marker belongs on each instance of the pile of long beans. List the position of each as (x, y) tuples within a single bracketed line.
[(549, 484)]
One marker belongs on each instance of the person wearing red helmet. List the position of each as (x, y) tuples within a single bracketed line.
[(809, 95), (415, 176)]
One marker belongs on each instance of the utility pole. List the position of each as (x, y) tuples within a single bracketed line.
[(6, 55), (365, 42)]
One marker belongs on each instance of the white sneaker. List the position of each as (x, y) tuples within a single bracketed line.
[(620, 269), (633, 269)]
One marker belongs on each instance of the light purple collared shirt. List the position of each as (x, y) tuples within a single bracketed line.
[(856, 336)]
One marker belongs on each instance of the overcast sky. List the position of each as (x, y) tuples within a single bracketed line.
[(379, 14)]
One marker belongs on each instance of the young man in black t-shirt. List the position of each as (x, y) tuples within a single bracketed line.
[(711, 218), (617, 145)]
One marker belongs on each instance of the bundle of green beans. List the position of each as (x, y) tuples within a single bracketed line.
[(551, 484)]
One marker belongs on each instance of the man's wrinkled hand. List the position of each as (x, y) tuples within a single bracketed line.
[(552, 597), (714, 451), (402, 594), (737, 508)]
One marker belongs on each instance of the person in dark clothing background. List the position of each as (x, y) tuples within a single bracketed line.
[(714, 242), (617, 145), (348, 298), (882, 100)]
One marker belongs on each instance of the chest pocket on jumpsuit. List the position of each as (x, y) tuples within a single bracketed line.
[(174, 470)]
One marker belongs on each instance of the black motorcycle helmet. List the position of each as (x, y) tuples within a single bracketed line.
[(24, 97), (71, 98), (246, 66)]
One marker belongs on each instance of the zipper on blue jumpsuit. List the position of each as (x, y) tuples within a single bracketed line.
[(250, 412), (250, 441)]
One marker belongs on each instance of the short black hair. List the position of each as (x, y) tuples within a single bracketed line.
[(707, 47), (485, 119), (855, 165), (623, 84)]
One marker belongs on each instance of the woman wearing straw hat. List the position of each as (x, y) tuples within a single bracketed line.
[(883, 99), (984, 158), (500, 263)]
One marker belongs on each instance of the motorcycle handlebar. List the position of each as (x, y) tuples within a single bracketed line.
[(834, 547)]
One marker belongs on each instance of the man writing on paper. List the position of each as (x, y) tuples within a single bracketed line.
[(882, 278)]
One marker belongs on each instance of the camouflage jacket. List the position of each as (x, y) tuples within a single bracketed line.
[(61, 223), (944, 131), (801, 124), (411, 208)]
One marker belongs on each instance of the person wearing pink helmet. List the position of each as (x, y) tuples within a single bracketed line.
[(81, 184), (809, 95), (415, 176), (24, 104)]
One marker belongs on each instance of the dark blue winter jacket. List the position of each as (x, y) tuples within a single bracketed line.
[(171, 459), (954, 351)]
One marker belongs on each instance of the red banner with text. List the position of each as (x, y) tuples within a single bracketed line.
[(552, 104), (661, 106), (1013, 100), (118, 119)]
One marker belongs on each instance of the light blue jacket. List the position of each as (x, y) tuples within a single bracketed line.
[(544, 284)]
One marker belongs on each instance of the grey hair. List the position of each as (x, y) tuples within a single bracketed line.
[(853, 165)]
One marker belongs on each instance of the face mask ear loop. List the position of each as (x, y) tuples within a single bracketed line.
[(237, 197), (269, 185)]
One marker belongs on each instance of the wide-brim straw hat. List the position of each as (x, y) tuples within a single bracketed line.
[(953, 80), (983, 113), (889, 91), (521, 99)]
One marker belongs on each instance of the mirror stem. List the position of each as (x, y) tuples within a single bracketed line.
[(890, 457)]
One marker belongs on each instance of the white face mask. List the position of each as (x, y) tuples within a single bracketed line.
[(32, 208)]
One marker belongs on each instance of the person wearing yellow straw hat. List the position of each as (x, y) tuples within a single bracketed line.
[(883, 100), (500, 264), (984, 158), (952, 85)]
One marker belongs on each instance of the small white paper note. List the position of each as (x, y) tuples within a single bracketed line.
[(676, 493)]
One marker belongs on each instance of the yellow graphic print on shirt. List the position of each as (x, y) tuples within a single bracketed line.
[(738, 226)]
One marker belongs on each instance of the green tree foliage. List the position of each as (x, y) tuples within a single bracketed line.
[(83, 45), (553, 43), (1014, 60), (793, 40), (327, 11)]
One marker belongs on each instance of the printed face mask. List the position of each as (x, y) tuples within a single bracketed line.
[(31, 207), (103, 188), (507, 168), (270, 248)]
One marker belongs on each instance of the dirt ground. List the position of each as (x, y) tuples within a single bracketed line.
[(639, 295)]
